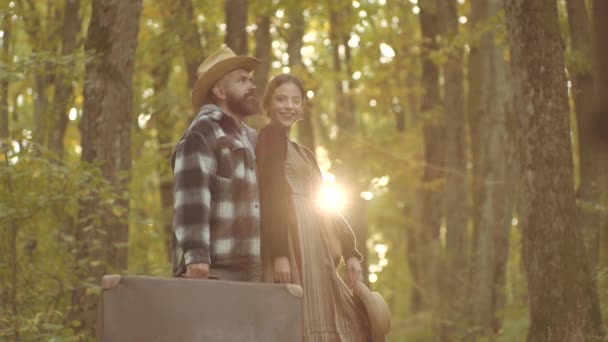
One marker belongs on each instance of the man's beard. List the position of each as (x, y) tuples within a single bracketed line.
[(245, 106)]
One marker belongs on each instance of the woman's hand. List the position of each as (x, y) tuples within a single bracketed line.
[(282, 271), (355, 274)]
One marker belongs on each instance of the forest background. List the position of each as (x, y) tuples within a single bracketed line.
[(465, 141)]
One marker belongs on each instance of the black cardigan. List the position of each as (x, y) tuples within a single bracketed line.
[(275, 204)]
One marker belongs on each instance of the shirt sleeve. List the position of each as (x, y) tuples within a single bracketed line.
[(271, 153), (194, 167)]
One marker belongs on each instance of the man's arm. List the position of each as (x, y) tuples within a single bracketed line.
[(194, 166)]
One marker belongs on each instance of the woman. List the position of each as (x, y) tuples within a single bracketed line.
[(295, 238)]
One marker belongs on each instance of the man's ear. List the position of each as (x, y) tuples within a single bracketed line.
[(218, 92)]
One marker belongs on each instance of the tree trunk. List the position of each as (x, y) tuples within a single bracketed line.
[(8, 294), (63, 82), (495, 207), (236, 23), (263, 51), (4, 84), (563, 298), (600, 114), (345, 119), (40, 37), (106, 133), (165, 124), (294, 47), (191, 41), (474, 109), (589, 191), (454, 273), (432, 179)]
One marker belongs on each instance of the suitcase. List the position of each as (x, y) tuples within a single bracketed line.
[(137, 308)]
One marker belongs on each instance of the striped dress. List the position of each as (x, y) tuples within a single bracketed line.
[(330, 314)]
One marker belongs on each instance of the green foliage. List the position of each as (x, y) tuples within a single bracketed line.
[(42, 208)]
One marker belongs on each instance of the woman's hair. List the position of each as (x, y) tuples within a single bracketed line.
[(278, 81)]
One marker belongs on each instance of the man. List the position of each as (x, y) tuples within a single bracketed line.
[(216, 223)]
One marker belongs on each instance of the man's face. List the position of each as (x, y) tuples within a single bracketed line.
[(240, 93)]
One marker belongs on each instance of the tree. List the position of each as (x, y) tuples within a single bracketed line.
[(63, 81), (432, 178), (263, 42), (563, 299), (192, 47), (494, 182), (599, 119), (454, 280), (4, 81), (106, 134), (580, 68), (236, 24), (294, 48)]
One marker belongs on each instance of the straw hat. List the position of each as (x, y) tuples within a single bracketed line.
[(215, 67), (377, 311)]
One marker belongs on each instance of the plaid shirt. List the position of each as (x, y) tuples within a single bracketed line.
[(217, 215)]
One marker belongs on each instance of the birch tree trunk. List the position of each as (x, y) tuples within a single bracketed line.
[(563, 298)]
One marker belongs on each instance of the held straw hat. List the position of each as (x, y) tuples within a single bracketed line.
[(377, 311), (215, 67)]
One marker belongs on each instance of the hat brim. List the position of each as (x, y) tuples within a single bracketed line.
[(202, 86), (377, 311)]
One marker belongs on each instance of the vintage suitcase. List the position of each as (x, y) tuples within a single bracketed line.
[(136, 308)]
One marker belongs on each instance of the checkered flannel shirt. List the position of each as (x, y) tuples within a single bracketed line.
[(217, 215)]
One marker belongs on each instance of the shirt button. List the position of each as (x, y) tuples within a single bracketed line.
[(256, 206)]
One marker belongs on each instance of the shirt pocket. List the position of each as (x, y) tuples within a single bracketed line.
[(232, 158)]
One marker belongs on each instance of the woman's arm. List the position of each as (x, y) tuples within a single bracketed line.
[(271, 153)]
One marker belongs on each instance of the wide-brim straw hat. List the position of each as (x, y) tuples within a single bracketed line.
[(215, 67), (377, 311)]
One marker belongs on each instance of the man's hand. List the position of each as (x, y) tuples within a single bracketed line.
[(354, 271), (199, 271), (282, 270)]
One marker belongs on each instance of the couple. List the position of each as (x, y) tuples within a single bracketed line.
[(245, 203)]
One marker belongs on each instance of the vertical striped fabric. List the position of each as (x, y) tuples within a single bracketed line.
[(330, 313)]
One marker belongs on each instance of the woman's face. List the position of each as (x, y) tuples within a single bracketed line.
[(285, 105)]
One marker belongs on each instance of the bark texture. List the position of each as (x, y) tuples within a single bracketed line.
[(583, 91), (494, 182), (433, 176), (600, 113), (106, 141), (63, 80), (294, 47), (454, 282), (263, 51), (236, 23), (4, 84), (563, 298)]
